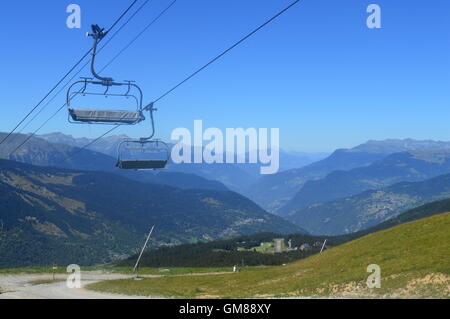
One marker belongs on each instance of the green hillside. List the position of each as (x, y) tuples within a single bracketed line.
[(50, 215), (413, 258), (417, 213), (254, 250)]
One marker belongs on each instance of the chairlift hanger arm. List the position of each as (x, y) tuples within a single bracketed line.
[(98, 34), (150, 108)]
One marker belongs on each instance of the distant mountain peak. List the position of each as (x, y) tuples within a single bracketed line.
[(400, 145)]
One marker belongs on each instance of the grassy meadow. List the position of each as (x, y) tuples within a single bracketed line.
[(414, 260)]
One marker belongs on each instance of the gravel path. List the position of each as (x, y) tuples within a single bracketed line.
[(19, 287)]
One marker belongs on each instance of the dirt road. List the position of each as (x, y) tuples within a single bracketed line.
[(20, 287)]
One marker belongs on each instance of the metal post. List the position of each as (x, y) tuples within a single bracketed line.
[(142, 252), (323, 246), (54, 267)]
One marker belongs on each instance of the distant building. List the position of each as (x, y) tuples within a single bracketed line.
[(305, 247), (279, 245)]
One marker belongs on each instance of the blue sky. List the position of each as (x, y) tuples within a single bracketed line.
[(317, 73)]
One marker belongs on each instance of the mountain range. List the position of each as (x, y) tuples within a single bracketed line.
[(398, 167), (370, 208), (109, 145), (237, 177), (273, 192), (40, 152)]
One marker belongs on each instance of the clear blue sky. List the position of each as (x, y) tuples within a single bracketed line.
[(317, 73)]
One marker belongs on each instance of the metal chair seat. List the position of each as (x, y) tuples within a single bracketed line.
[(105, 116), (142, 164)]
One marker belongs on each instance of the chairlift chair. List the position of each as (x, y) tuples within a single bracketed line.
[(145, 153), (91, 115)]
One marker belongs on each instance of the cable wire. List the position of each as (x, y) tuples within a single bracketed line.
[(86, 64), (203, 67), (87, 145), (140, 33), (106, 66), (29, 137), (64, 77), (227, 50)]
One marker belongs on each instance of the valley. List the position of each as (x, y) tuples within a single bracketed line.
[(230, 150), (86, 212), (56, 211)]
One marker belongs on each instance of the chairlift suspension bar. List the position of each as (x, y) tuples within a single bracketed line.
[(150, 108), (98, 34)]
